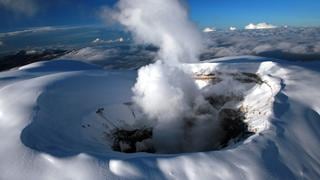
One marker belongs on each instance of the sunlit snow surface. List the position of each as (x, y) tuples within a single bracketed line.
[(44, 105)]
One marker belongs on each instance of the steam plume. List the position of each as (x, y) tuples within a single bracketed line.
[(165, 91), (164, 24)]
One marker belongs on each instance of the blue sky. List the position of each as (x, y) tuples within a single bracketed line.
[(217, 13), (226, 13)]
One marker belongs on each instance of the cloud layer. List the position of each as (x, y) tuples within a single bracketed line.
[(284, 43)]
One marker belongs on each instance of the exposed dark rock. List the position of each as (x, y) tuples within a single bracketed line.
[(245, 77), (232, 122), (211, 78), (127, 140), (217, 101)]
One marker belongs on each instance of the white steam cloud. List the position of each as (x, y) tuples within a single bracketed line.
[(164, 24), (165, 91), (170, 97)]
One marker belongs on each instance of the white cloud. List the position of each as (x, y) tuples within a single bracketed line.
[(25, 7), (1, 43), (260, 26), (101, 41), (98, 41), (232, 28), (208, 29)]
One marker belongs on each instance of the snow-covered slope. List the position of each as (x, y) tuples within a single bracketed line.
[(45, 109)]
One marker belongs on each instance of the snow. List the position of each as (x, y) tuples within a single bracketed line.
[(44, 105)]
